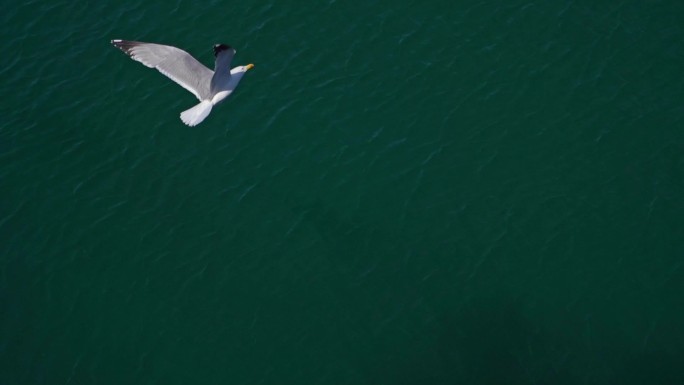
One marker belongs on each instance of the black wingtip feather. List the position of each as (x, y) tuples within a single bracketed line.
[(125, 45), (220, 48)]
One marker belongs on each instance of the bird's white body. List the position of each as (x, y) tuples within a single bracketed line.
[(199, 112), (235, 77), (210, 87)]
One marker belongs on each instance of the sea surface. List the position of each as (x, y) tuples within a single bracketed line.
[(400, 192)]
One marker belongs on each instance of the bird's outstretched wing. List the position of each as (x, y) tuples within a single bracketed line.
[(224, 55), (173, 62)]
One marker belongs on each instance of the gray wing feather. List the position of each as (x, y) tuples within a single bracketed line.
[(173, 62), (224, 56)]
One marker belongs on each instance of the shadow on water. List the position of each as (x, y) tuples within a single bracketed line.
[(485, 343), (427, 332), (475, 342), (661, 367)]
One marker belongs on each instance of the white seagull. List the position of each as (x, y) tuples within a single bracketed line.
[(210, 87)]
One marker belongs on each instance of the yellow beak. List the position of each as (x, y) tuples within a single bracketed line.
[(249, 67)]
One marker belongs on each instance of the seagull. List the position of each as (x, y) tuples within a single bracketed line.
[(210, 87)]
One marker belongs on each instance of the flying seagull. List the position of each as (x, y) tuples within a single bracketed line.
[(210, 87)]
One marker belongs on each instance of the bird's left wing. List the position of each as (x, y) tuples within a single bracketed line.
[(173, 62)]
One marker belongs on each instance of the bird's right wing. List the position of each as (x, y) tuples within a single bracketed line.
[(173, 62), (224, 56)]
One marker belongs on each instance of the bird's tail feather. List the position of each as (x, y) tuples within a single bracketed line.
[(196, 115)]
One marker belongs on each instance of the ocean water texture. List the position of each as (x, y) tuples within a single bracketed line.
[(399, 193)]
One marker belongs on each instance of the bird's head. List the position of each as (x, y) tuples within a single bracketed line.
[(246, 68)]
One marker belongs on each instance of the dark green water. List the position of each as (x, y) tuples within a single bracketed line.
[(399, 193)]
